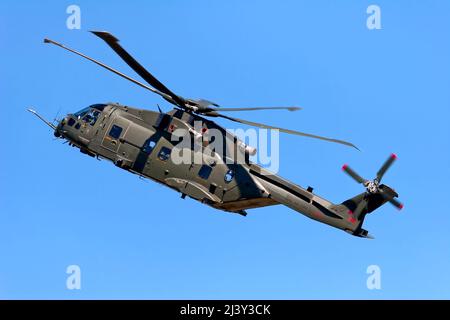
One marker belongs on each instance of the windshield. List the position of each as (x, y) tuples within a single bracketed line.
[(81, 113), (90, 114)]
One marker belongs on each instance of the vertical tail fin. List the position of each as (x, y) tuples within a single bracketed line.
[(362, 204), (375, 196)]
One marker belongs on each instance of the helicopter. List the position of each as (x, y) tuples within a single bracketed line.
[(145, 143)]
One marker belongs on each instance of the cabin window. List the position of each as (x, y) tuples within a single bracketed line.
[(149, 146), (164, 153), (212, 188), (77, 126), (115, 132), (204, 171), (70, 122), (229, 176)]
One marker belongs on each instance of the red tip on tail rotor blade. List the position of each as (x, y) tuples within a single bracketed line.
[(396, 203), (344, 167), (393, 156)]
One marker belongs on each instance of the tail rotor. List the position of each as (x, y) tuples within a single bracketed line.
[(373, 187)]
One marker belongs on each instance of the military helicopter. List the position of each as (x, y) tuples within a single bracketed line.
[(144, 142)]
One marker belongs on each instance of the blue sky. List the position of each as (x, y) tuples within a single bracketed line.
[(385, 90)]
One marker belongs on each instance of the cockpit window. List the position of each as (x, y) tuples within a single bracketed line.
[(91, 117), (91, 109), (81, 113), (70, 122), (99, 106)]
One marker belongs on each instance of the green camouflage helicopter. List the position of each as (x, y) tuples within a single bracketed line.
[(145, 143)]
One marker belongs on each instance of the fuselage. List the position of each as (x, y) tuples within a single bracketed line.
[(147, 143)]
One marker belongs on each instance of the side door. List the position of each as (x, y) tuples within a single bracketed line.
[(116, 130)]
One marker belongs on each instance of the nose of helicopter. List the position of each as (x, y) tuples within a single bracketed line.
[(58, 130)]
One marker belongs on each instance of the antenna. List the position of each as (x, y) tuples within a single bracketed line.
[(51, 125)]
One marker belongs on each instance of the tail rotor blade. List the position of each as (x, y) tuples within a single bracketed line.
[(386, 166), (396, 203), (392, 200), (353, 174)]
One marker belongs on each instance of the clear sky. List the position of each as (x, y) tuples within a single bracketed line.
[(385, 90)]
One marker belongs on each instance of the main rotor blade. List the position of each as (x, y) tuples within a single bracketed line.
[(113, 42), (256, 108), (165, 96), (353, 174), (265, 126), (385, 166)]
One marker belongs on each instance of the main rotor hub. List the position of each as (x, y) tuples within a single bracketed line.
[(372, 186)]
